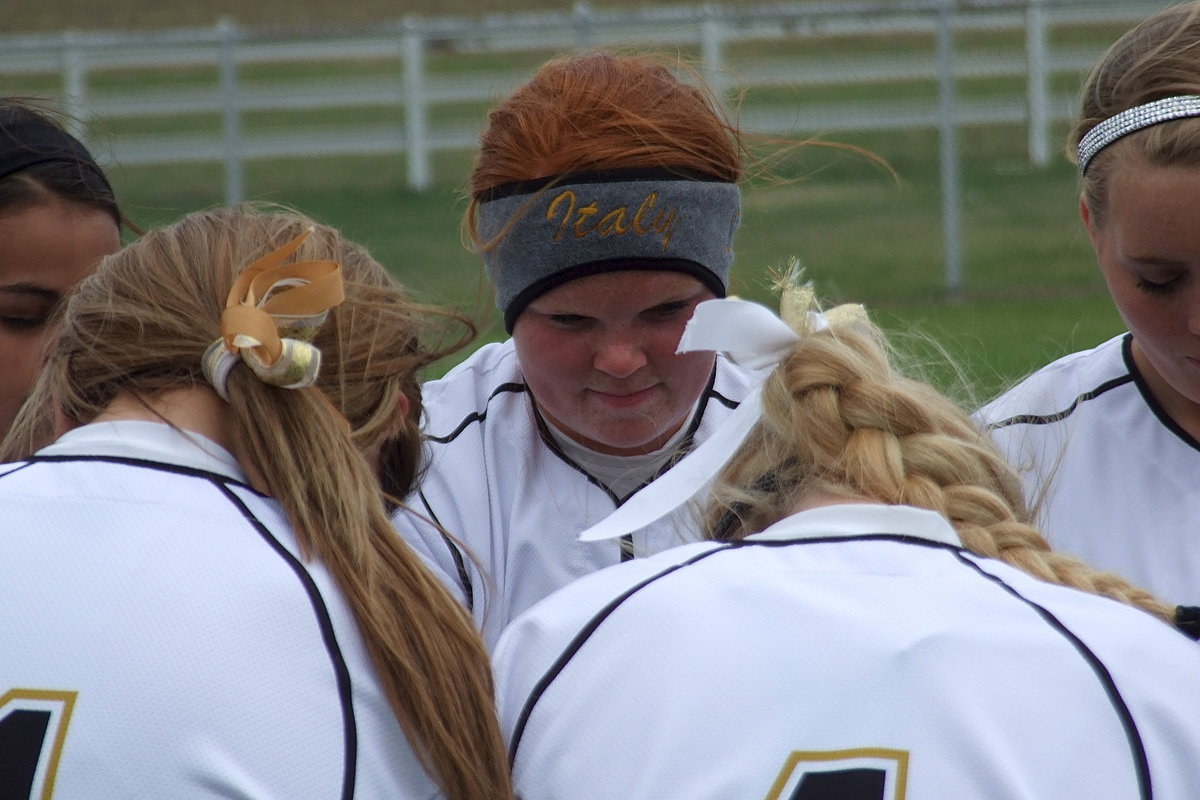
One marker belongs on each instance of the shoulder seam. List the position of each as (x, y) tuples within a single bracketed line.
[(1058, 416), (578, 641), (159, 466), (476, 416), (1133, 736), (15, 468), (460, 565), (328, 636), (585, 632)]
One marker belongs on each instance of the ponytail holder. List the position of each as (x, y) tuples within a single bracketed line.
[(798, 305), (271, 316), (754, 337)]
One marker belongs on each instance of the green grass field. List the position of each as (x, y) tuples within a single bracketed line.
[(1032, 291)]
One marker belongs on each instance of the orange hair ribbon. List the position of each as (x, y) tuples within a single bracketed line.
[(271, 315)]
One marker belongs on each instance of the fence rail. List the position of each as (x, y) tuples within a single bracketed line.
[(406, 48)]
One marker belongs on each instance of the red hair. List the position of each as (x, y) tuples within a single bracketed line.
[(601, 111)]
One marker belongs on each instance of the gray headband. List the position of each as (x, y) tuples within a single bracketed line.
[(555, 230)]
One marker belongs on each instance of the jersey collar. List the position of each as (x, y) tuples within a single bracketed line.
[(148, 441), (854, 519)]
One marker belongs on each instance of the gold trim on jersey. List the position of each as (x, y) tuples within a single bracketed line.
[(66, 703), (894, 763)]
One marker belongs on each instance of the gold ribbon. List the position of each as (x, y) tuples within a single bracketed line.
[(271, 316), (798, 305)]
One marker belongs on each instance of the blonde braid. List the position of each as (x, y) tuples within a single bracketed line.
[(838, 418)]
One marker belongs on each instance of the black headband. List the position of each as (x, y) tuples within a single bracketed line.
[(28, 141)]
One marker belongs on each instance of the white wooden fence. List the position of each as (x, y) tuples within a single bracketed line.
[(76, 56)]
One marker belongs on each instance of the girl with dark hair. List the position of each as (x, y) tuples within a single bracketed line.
[(58, 217)]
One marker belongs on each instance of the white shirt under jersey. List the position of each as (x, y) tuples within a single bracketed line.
[(1119, 477), (852, 652), (514, 500), (162, 637)]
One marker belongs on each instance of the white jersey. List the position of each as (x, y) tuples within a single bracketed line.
[(513, 500), (163, 638), (853, 652), (1119, 478)]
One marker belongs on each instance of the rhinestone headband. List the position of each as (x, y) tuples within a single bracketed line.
[(1134, 119)]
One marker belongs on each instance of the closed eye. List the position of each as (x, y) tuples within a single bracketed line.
[(25, 309), (1159, 287), (668, 311), (22, 323), (571, 321)]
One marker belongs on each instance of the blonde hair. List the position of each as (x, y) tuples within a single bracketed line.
[(1158, 58), (838, 418), (141, 324)]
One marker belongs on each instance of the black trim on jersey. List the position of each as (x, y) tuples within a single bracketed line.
[(1138, 752), (1136, 747), (625, 542), (722, 399), (686, 443), (466, 422), (328, 636), (587, 630), (161, 466), (477, 416), (1059, 416), (1148, 396), (1134, 375), (16, 467), (455, 553), (577, 642), (223, 484)]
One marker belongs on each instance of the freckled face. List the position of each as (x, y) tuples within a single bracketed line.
[(46, 250), (598, 354), (1148, 248)]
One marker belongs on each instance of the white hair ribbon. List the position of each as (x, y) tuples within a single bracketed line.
[(752, 336)]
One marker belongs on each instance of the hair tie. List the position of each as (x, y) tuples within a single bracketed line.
[(271, 316), (754, 337)]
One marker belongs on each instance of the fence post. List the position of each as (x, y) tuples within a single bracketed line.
[(416, 124), (712, 40), (74, 85), (948, 150), (1036, 72), (581, 20), (235, 190)]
